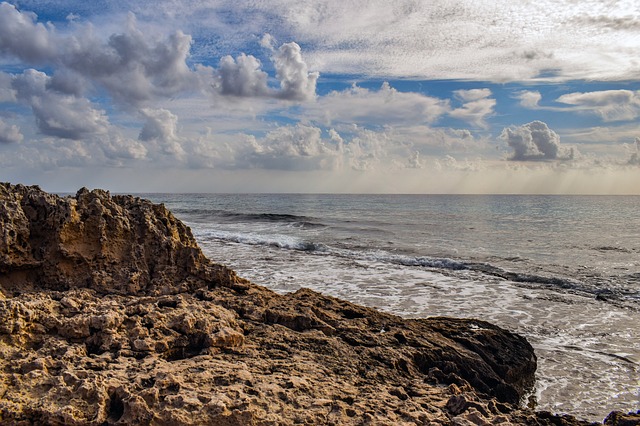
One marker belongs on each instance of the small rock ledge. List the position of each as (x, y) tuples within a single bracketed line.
[(111, 315)]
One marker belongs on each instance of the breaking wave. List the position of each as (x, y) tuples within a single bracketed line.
[(442, 264)]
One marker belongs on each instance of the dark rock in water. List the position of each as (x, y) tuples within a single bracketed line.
[(110, 314), (617, 418)]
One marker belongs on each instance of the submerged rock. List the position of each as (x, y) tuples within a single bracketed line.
[(111, 314)]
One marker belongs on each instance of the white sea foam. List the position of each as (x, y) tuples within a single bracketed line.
[(260, 239)]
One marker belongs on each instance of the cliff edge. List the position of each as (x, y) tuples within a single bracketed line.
[(110, 314)]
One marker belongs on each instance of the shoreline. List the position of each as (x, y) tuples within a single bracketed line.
[(123, 320)]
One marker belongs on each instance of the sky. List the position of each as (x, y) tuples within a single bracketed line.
[(376, 96)]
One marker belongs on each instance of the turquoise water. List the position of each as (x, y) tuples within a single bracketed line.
[(563, 271)]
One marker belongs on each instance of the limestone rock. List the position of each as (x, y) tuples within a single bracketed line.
[(114, 245)]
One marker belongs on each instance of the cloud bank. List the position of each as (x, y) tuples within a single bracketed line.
[(610, 105), (136, 66)]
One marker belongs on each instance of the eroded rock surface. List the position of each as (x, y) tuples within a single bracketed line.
[(113, 245), (110, 314)]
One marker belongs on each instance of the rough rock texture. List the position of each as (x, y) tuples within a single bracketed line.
[(110, 314), (113, 245), (619, 419)]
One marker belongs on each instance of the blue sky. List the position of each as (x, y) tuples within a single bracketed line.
[(445, 96)]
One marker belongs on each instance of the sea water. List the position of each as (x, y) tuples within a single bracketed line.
[(563, 271)]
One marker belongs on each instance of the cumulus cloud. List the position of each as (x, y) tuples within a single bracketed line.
[(58, 114), (299, 147), (133, 66), (68, 83), (22, 37), (610, 105), (118, 148), (160, 132), (535, 141), (244, 77), (370, 150), (414, 160), (241, 77), (476, 107), (529, 98), (296, 82), (7, 94), (136, 66), (10, 133), (307, 147)]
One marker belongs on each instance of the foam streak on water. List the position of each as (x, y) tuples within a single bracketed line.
[(562, 272)]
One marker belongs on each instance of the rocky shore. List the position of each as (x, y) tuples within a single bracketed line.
[(110, 314)]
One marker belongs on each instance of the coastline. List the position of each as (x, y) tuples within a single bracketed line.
[(113, 314)]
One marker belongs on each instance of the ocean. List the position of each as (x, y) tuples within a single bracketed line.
[(563, 271)]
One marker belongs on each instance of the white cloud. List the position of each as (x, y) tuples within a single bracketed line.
[(529, 98), (535, 141), (369, 150), (268, 42), (386, 106), (307, 147), (440, 39), (58, 114), (476, 107), (610, 105), (244, 77), (296, 82), (430, 141), (118, 148), (178, 87), (607, 137), (7, 93), (133, 66), (10, 133), (21, 36), (241, 77), (160, 133), (472, 94), (48, 154), (299, 147), (634, 159)]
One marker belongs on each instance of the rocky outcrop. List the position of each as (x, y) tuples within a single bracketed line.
[(617, 418), (113, 245), (111, 315)]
